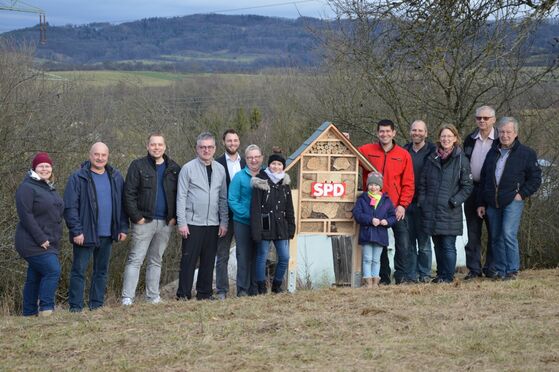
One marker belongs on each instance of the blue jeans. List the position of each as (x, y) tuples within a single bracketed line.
[(282, 250), (370, 254), (445, 253), (421, 253), (246, 263), (82, 255), (504, 224), (40, 286)]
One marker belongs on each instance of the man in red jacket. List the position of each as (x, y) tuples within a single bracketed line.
[(396, 166)]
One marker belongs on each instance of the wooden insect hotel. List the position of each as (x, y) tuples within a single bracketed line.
[(328, 178)]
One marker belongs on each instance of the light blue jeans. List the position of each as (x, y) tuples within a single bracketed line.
[(504, 224), (371, 259), (148, 240)]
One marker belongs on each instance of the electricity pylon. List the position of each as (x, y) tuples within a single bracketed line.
[(20, 6)]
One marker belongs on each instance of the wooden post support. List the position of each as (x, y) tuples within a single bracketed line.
[(292, 266), (356, 274)]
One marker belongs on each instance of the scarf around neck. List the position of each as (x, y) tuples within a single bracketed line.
[(275, 177), (36, 177), (444, 154)]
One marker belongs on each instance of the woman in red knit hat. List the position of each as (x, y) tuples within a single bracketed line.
[(38, 234)]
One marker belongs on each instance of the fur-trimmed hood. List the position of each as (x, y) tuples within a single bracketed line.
[(257, 182)]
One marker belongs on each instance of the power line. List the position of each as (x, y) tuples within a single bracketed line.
[(264, 6), (294, 3)]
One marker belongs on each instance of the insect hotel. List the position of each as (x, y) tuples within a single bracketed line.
[(327, 190)]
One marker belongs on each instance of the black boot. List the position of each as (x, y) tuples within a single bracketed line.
[(276, 286), (262, 287)]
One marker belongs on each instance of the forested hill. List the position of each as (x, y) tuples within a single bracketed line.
[(204, 43), (192, 43)]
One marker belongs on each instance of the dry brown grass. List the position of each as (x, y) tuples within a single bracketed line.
[(479, 326)]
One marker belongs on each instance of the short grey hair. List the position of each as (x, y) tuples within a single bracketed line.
[(506, 120), (251, 148), (419, 121), (488, 108), (204, 136)]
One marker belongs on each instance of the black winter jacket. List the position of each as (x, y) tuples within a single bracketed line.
[(442, 191), (141, 188), (522, 174), (40, 211), (275, 201), (419, 163)]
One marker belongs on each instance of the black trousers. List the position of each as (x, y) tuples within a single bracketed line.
[(475, 225), (201, 243), (385, 271)]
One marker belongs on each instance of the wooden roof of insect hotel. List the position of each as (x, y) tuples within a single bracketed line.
[(324, 131)]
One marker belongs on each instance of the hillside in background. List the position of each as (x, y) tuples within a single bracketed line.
[(204, 43), (196, 43)]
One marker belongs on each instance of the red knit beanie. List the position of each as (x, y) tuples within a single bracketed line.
[(41, 157)]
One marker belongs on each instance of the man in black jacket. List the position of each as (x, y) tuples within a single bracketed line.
[(421, 252), (510, 174), (476, 146), (232, 162), (150, 201)]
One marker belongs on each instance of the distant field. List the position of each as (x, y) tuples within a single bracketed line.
[(141, 78), (481, 326), (245, 58)]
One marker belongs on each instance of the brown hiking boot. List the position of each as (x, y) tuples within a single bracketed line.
[(375, 282)]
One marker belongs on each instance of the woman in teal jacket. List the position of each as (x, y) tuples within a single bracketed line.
[(240, 195)]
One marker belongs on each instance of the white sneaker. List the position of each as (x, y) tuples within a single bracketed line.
[(155, 301), (127, 301)]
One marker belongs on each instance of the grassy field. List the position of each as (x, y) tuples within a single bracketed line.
[(139, 78), (483, 325)]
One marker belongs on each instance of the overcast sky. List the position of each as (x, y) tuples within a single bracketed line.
[(63, 12)]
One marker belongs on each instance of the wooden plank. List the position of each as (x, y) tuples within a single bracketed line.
[(356, 266), (342, 257), (292, 265)]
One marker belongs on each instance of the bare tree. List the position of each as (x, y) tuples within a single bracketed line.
[(436, 59)]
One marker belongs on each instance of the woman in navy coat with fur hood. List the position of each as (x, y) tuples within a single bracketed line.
[(38, 234)]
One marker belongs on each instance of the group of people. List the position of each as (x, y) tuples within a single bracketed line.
[(419, 189), (201, 199)]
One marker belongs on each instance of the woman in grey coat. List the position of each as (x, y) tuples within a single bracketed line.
[(445, 184)]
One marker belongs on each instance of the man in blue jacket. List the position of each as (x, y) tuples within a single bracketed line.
[(510, 174), (95, 218)]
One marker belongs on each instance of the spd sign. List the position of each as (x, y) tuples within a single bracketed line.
[(325, 189)]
